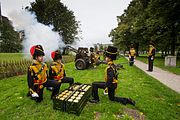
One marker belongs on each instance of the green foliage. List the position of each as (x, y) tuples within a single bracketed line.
[(164, 22), (9, 39), (54, 12), (147, 21), (11, 56), (154, 100), (11, 68), (14, 64), (68, 58)]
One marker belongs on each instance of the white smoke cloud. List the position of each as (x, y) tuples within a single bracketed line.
[(36, 33)]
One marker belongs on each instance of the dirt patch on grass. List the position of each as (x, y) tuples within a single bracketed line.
[(134, 114), (97, 115)]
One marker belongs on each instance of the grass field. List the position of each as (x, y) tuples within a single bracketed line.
[(11, 56), (154, 100), (20, 56), (160, 62)]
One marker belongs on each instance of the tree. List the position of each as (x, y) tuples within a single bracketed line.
[(165, 21), (9, 39), (54, 12), (147, 21), (130, 28)]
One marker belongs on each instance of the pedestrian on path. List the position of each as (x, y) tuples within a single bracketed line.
[(132, 55), (151, 56)]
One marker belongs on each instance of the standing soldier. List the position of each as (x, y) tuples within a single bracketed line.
[(151, 56), (110, 83), (38, 77), (57, 71), (97, 56), (132, 55), (92, 56)]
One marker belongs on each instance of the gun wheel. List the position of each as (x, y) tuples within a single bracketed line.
[(80, 64)]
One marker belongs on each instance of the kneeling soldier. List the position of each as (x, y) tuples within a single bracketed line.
[(110, 83), (37, 75), (57, 71)]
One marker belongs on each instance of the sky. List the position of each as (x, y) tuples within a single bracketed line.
[(97, 17)]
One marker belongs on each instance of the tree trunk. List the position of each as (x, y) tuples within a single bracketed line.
[(165, 52), (173, 41), (173, 44), (137, 49), (124, 52), (162, 54)]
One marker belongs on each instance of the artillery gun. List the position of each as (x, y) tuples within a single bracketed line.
[(82, 58)]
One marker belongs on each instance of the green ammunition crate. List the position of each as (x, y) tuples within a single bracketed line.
[(58, 103), (74, 100), (77, 107)]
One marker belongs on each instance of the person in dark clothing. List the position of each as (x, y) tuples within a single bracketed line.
[(111, 79), (151, 57), (57, 70), (37, 76)]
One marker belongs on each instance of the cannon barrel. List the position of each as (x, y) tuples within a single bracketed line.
[(71, 48)]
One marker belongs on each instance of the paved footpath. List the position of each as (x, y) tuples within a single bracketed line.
[(169, 79)]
